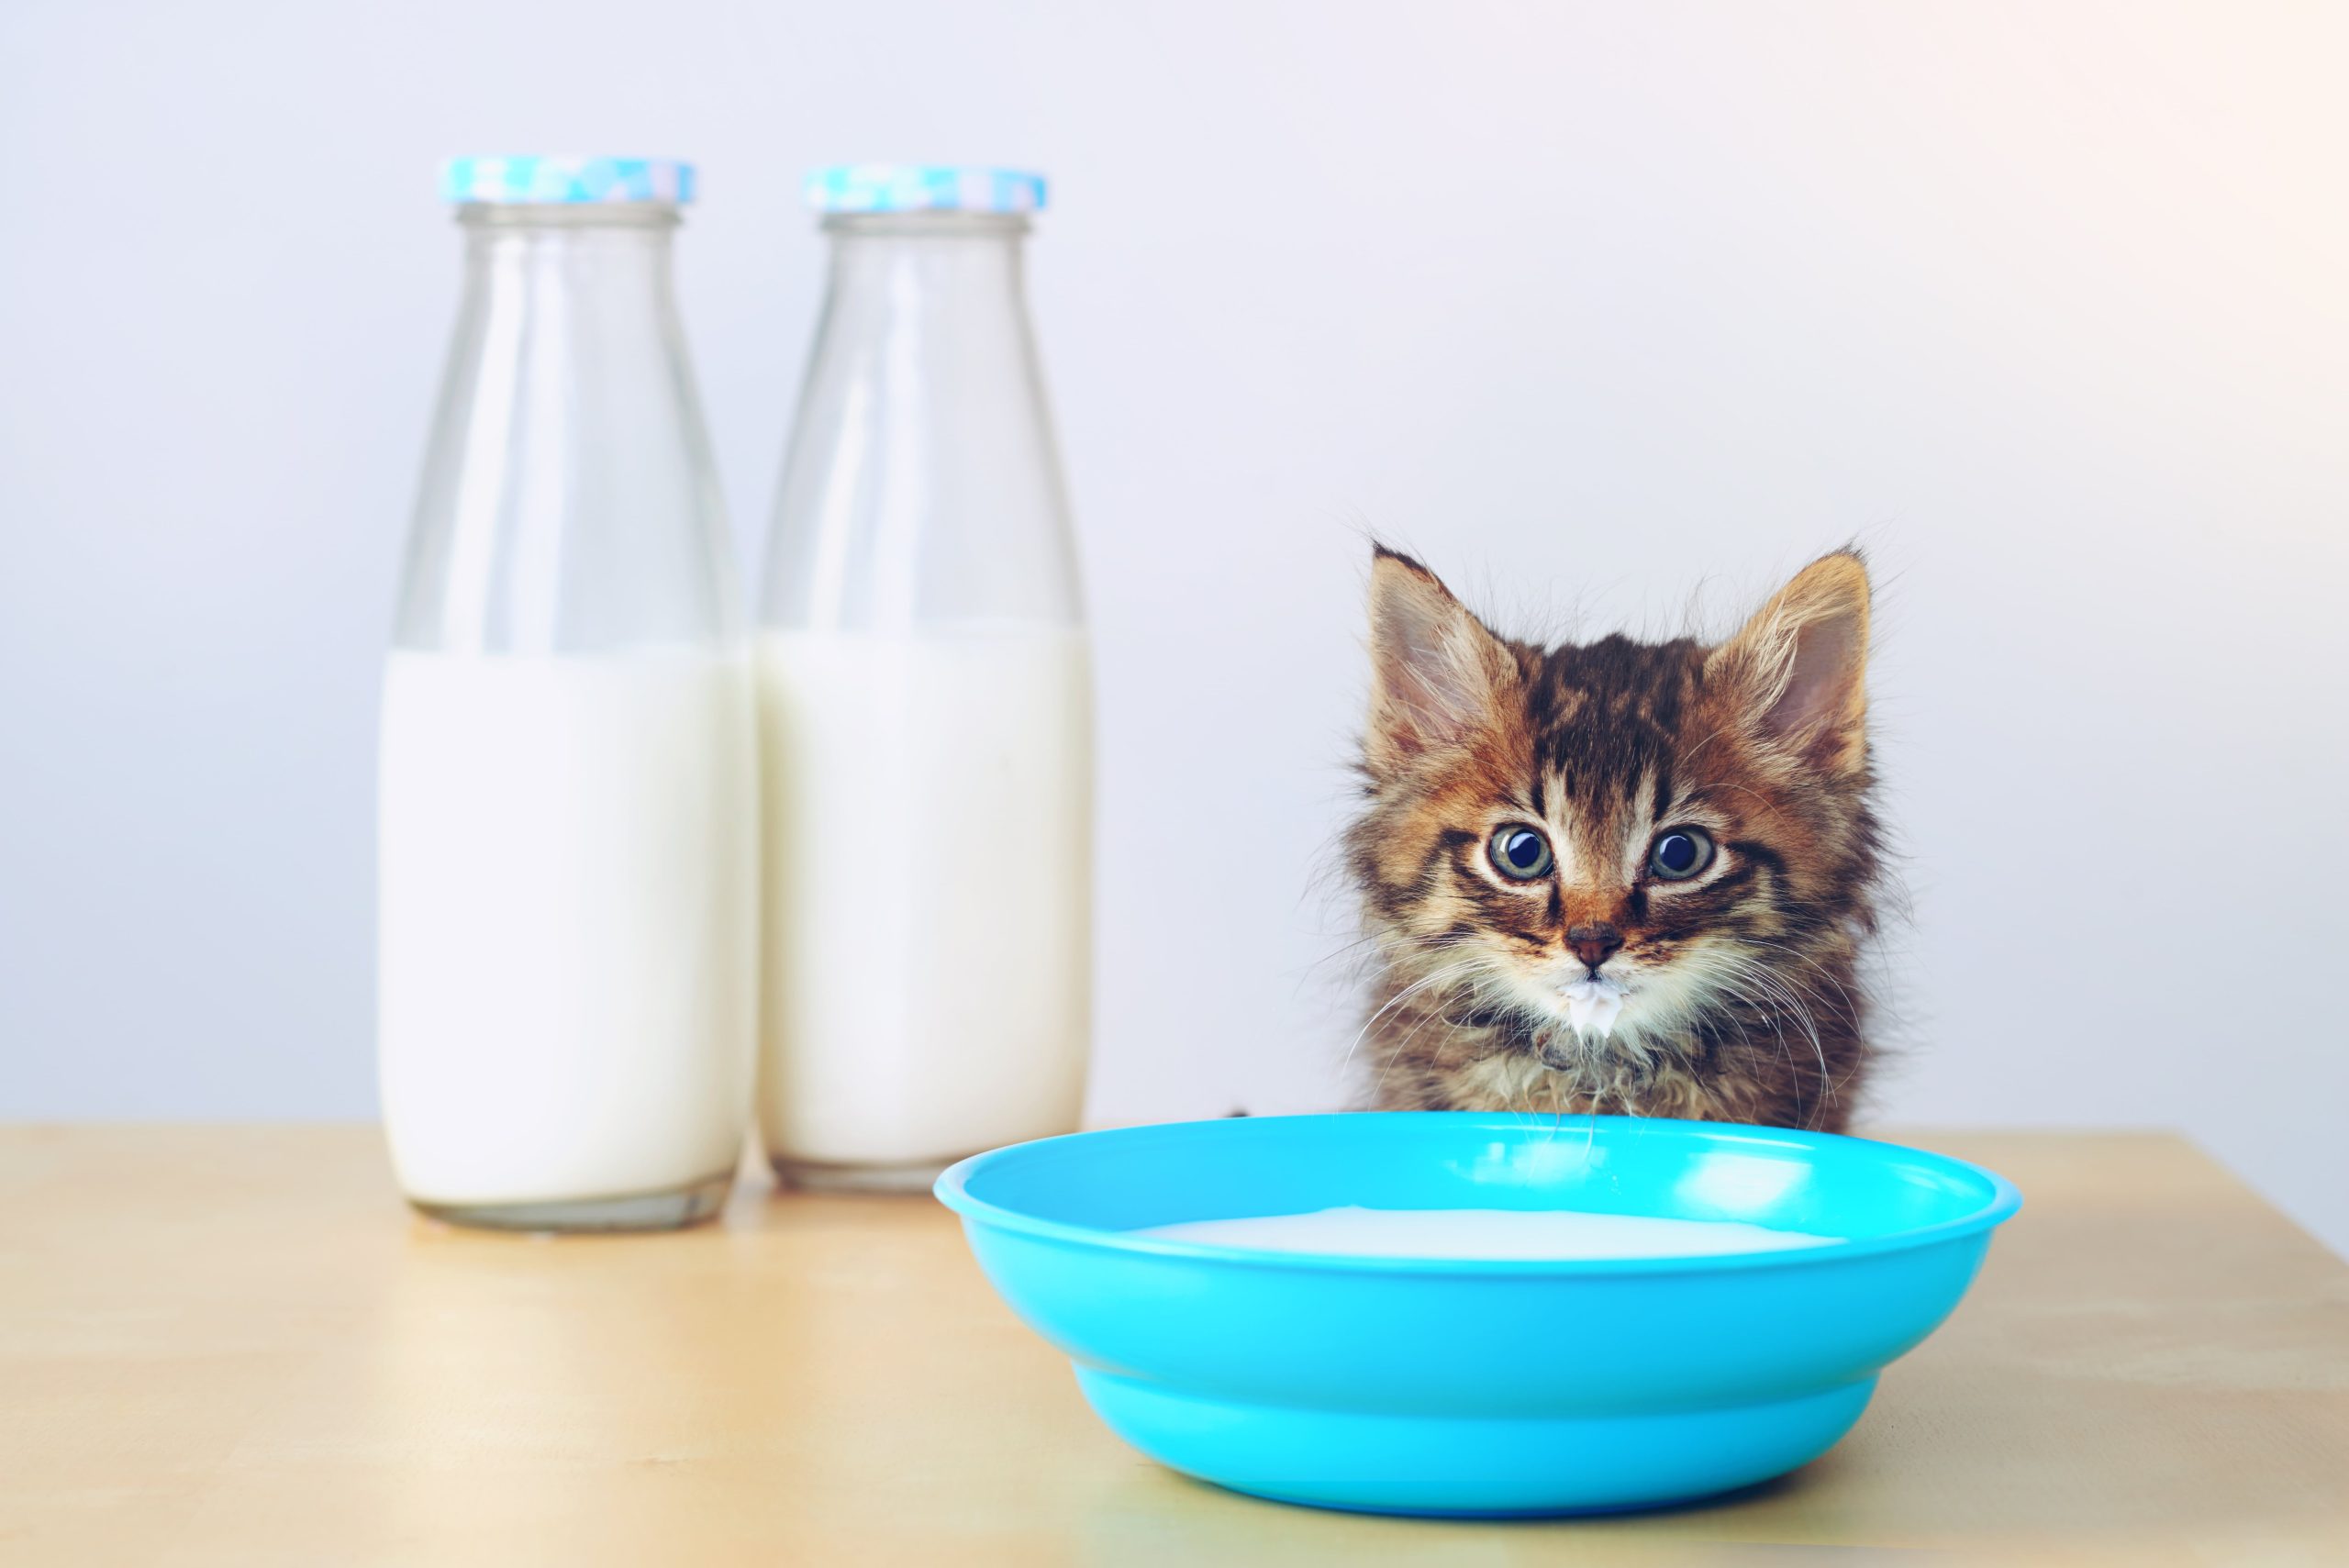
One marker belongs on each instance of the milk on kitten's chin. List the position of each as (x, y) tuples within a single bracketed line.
[(1628, 998)]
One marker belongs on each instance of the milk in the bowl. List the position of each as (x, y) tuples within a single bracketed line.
[(927, 846), (1546, 1233)]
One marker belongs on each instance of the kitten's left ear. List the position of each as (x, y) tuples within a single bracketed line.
[(1802, 665)]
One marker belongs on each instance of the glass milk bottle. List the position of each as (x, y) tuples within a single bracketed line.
[(925, 707), (568, 828)]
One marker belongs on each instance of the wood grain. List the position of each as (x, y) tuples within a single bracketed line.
[(234, 1346)]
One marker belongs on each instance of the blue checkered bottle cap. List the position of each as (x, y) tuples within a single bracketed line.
[(566, 179), (923, 187)]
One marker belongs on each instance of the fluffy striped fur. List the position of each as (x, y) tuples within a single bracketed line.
[(1739, 1000)]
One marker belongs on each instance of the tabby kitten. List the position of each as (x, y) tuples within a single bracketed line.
[(1622, 876)]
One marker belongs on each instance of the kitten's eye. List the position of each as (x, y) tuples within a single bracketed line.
[(1519, 853), (1681, 854)]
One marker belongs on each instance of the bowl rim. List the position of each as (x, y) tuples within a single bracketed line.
[(953, 1189)]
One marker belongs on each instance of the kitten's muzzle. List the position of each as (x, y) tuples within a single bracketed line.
[(1594, 944)]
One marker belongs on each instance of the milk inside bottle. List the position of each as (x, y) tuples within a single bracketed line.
[(925, 707), (567, 808)]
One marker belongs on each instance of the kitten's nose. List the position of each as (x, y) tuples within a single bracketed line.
[(1594, 944)]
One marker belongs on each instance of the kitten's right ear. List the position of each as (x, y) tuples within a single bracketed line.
[(1436, 676)]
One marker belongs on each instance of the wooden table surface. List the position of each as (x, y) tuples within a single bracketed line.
[(234, 1346)]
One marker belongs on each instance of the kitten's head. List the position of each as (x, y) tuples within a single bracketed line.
[(1615, 842)]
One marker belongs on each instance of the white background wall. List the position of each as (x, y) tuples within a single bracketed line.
[(1597, 305)]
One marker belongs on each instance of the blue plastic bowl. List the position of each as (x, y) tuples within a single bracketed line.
[(1483, 1386)]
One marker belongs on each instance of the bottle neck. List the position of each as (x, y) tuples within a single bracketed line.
[(930, 262), (1005, 226), (610, 255)]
